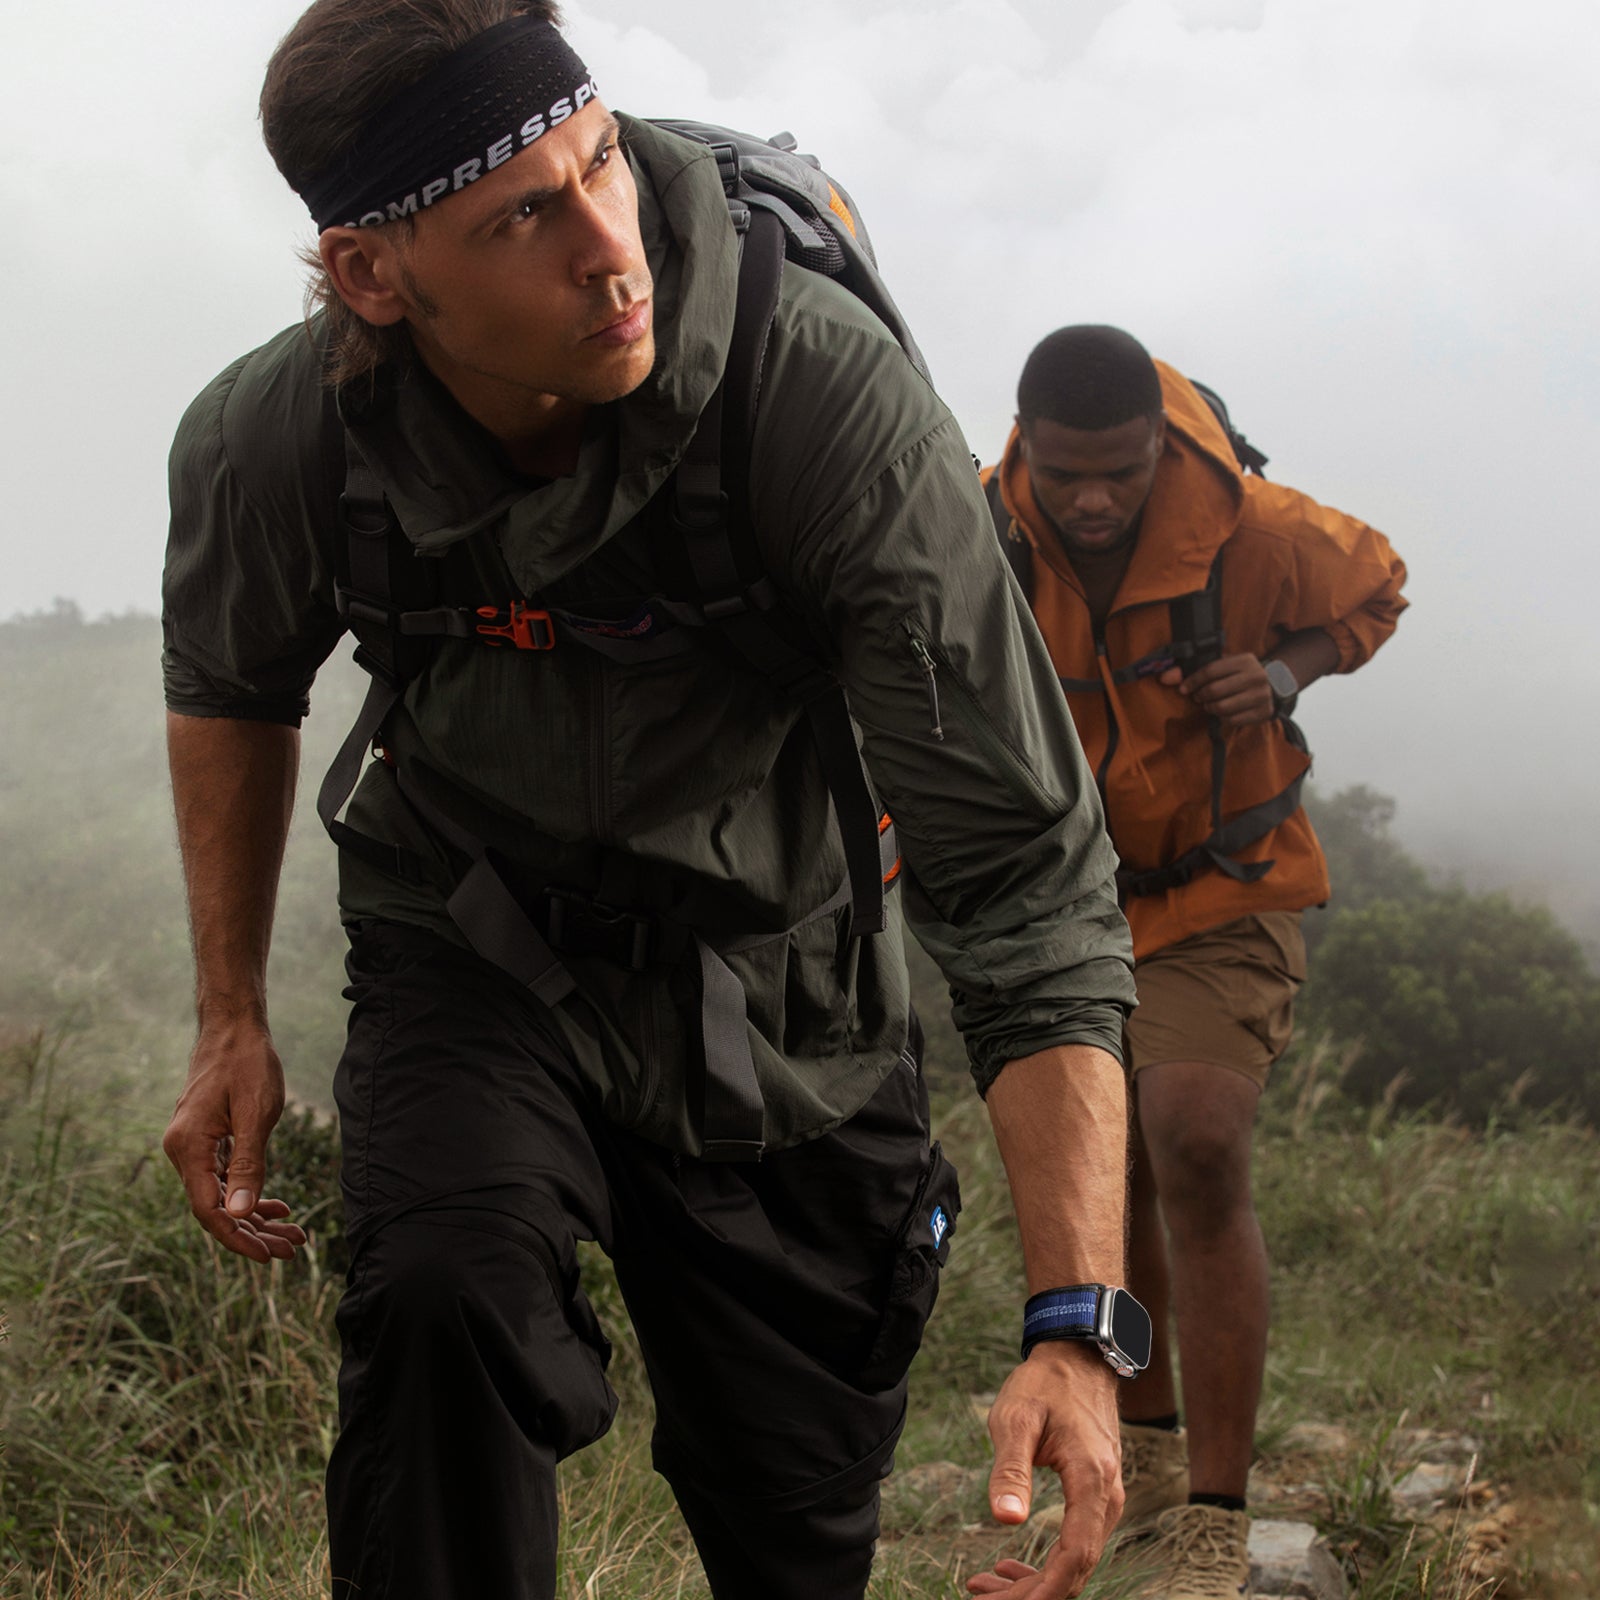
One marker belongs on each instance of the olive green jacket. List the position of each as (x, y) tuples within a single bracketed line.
[(694, 772)]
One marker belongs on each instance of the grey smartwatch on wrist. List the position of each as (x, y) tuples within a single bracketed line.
[(1097, 1314), (1285, 690)]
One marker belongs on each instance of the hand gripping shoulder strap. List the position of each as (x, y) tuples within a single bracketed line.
[(1197, 638)]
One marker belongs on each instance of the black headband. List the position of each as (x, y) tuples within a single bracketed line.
[(471, 113)]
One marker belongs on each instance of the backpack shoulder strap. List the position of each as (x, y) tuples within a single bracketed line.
[(1248, 456), (1013, 546), (1197, 638), (736, 599)]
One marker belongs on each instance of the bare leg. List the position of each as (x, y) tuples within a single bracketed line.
[(1151, 1394), (1196, 1122)]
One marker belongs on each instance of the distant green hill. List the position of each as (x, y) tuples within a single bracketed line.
[(93, 934)]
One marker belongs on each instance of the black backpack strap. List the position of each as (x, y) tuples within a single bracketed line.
[(711, 513), (1197, 638), (1013, 543), (371, 538), (1246, 454)]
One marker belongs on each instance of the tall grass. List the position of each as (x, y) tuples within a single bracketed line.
[(165, 1409)]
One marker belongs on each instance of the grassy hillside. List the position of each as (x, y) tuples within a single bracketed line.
[(165, 1410)]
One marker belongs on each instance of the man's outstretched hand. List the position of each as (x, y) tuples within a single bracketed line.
[(217, 1140), (1058, 1409)]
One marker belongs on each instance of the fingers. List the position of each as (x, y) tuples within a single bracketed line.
[(1234, 690), (1077, 1552), (217, 1140), (1001, 1579), (1015, 1430)]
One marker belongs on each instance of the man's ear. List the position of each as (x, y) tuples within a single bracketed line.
[(362, 266)]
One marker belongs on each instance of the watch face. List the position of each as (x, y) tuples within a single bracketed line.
[(1281, 677), (1130, 1328)]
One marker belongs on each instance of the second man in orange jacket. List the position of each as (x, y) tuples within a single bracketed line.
[(1185, 606)]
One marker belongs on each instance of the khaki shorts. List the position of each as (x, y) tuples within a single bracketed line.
[(1225, 997)]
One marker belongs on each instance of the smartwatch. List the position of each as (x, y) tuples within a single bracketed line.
[(1285, 691), (1097, 1314)]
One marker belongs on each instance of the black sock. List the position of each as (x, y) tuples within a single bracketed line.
[(1169, 1422), (1228, 1502)]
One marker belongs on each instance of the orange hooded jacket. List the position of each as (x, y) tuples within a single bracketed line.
[(1289, 564)]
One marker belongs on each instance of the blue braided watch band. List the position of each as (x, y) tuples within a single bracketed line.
[(1061, 1314)]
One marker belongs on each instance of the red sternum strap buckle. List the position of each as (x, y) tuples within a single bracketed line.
[(520, 625)]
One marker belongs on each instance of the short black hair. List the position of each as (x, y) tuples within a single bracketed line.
[(1088, 376)]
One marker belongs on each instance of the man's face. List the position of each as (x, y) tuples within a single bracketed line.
[(533, 280), (1092, 484)]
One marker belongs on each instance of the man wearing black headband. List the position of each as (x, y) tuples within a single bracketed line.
[(525, 307)]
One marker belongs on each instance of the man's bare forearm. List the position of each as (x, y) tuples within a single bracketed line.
[(1309, 654), (233, 788), (1060, 1121)]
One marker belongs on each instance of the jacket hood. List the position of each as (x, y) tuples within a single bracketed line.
[(441, 471), (1192, 509)]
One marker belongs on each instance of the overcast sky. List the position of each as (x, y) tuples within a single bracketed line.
[(1373, 224)]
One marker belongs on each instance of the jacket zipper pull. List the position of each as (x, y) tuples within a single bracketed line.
[(929, 669)]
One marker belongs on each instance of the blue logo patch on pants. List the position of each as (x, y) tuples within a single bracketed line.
[(938, 1223)]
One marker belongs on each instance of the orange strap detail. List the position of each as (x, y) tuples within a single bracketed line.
[(837, 206)]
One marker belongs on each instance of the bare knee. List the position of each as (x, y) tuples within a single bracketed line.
[(1204, 1180)]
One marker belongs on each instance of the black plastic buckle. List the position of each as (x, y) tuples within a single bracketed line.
[(580, 926), (698, 512), (366, 519), (727, 167)]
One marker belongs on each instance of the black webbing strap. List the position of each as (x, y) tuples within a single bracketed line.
[(1015, 548), (711, 511), (342, 776), (732, 1117), (731, 1122), (1221, 847), (368, 525), (483, 907)]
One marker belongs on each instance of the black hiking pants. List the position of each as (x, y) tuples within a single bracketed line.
[(777, 1304)]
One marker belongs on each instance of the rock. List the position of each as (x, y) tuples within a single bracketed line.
[(1428, 1485), (1288, 1559), (1428, 1444), (1316, 1439)]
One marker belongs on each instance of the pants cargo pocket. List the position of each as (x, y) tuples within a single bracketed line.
[(922, 1246)]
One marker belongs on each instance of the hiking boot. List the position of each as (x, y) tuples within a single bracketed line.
[(1204, 1554), (1155, 1475)]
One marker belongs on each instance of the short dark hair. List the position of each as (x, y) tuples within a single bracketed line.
[(1088, 376), (336, 67)]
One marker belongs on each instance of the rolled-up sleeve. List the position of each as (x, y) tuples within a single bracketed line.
[(247, 591), (1344, 575)]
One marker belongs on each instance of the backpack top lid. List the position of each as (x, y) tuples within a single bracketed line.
[(822, 225)]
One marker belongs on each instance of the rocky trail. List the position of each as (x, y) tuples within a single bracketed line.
[(1425, 1486)]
